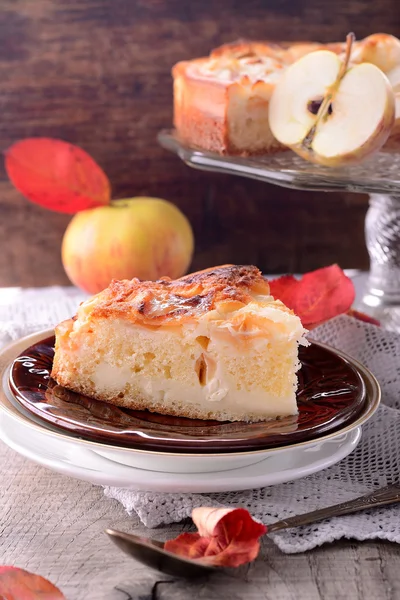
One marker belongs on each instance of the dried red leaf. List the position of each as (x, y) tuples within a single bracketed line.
[(227, 537), (356, 314), (17, 584), (57, 175), (316, 297)]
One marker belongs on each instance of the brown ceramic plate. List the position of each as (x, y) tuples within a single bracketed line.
[(331, 396)]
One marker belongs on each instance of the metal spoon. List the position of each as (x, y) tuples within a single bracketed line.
[(151, 552)]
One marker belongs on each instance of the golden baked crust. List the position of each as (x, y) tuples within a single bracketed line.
[(221, 101)]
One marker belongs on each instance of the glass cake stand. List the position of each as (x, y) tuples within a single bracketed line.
[(379, 177)]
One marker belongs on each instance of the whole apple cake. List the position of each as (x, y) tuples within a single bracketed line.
[(221, 102), (211, 345)]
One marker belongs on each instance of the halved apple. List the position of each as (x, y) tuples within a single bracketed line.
[(394, 79), (393, 143), (330, 113)]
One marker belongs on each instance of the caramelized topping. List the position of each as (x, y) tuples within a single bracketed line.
[(157, 302)]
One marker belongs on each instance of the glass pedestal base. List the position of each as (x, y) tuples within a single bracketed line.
[(382, 234), (378, 176)]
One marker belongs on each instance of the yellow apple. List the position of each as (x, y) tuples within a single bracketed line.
[(137, 237)]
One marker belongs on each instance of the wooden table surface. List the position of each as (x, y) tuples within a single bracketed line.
[(54, 525)]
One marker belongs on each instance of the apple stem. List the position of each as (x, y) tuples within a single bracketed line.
[(121, 203), (350, 39), (322, 113)]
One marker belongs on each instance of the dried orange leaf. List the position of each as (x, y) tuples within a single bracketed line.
[(57, 175), (17, 584), (226, 537), (316, 297)]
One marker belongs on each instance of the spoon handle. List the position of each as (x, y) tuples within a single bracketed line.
[(387, 495)]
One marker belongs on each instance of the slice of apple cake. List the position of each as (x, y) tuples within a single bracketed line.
[(211, 345)]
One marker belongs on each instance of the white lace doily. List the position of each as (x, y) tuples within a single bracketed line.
[(374, 463)]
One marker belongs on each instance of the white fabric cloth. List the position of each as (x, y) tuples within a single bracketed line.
[(24, 311), (375, 462)]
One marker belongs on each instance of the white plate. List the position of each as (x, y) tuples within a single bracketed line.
[(66, 455), (145, 459), (166, 462)]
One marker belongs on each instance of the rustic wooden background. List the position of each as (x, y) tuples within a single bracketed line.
[(97, 73)]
